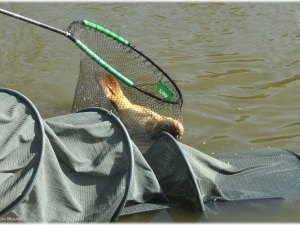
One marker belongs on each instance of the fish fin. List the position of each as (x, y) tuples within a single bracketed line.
[(113, 85)]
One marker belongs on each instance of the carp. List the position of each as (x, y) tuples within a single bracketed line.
[(136, 116)]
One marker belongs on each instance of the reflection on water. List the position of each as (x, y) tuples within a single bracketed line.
[(237, 65)]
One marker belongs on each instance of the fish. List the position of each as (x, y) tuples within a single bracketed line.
[(139, 117)]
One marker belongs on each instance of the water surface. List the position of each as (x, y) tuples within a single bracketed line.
[(237, 65)]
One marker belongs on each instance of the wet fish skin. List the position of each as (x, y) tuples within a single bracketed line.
[(138, 116)]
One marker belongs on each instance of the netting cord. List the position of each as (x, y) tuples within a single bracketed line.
[(157, 67), (96, 58), (40, 131), (120, 76), (129, 153), (188, 166)]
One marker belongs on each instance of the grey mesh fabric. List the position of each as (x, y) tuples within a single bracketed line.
[(21, 148), (83, 167)]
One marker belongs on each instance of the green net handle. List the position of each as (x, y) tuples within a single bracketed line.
[(161, 88), (103, 64), (106, 31)]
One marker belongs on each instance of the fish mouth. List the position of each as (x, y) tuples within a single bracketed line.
[(174, 128), (178, 137)]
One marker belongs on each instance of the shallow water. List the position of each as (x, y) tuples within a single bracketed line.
[(237, 65)]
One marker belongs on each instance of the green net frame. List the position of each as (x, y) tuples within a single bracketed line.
[(132, 63)]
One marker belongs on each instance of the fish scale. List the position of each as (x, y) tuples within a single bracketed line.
[(137, 116)]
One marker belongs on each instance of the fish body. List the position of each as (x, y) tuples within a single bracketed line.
[(137, 116)]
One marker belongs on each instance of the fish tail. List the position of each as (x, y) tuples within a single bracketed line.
[(110, 87), (104, 87), (113, 85)]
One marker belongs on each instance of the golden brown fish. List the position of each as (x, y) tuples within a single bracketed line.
[(137, 116)]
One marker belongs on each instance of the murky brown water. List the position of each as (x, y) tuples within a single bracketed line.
[(237, 65)]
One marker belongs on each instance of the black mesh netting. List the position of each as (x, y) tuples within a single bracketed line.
[(142, 114)]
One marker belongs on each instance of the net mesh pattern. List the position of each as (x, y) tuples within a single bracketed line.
[(20, 133), (132, 64), (185, 173), (90, 171), (87, 171)]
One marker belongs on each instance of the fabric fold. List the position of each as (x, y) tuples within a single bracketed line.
[(83, 167)]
